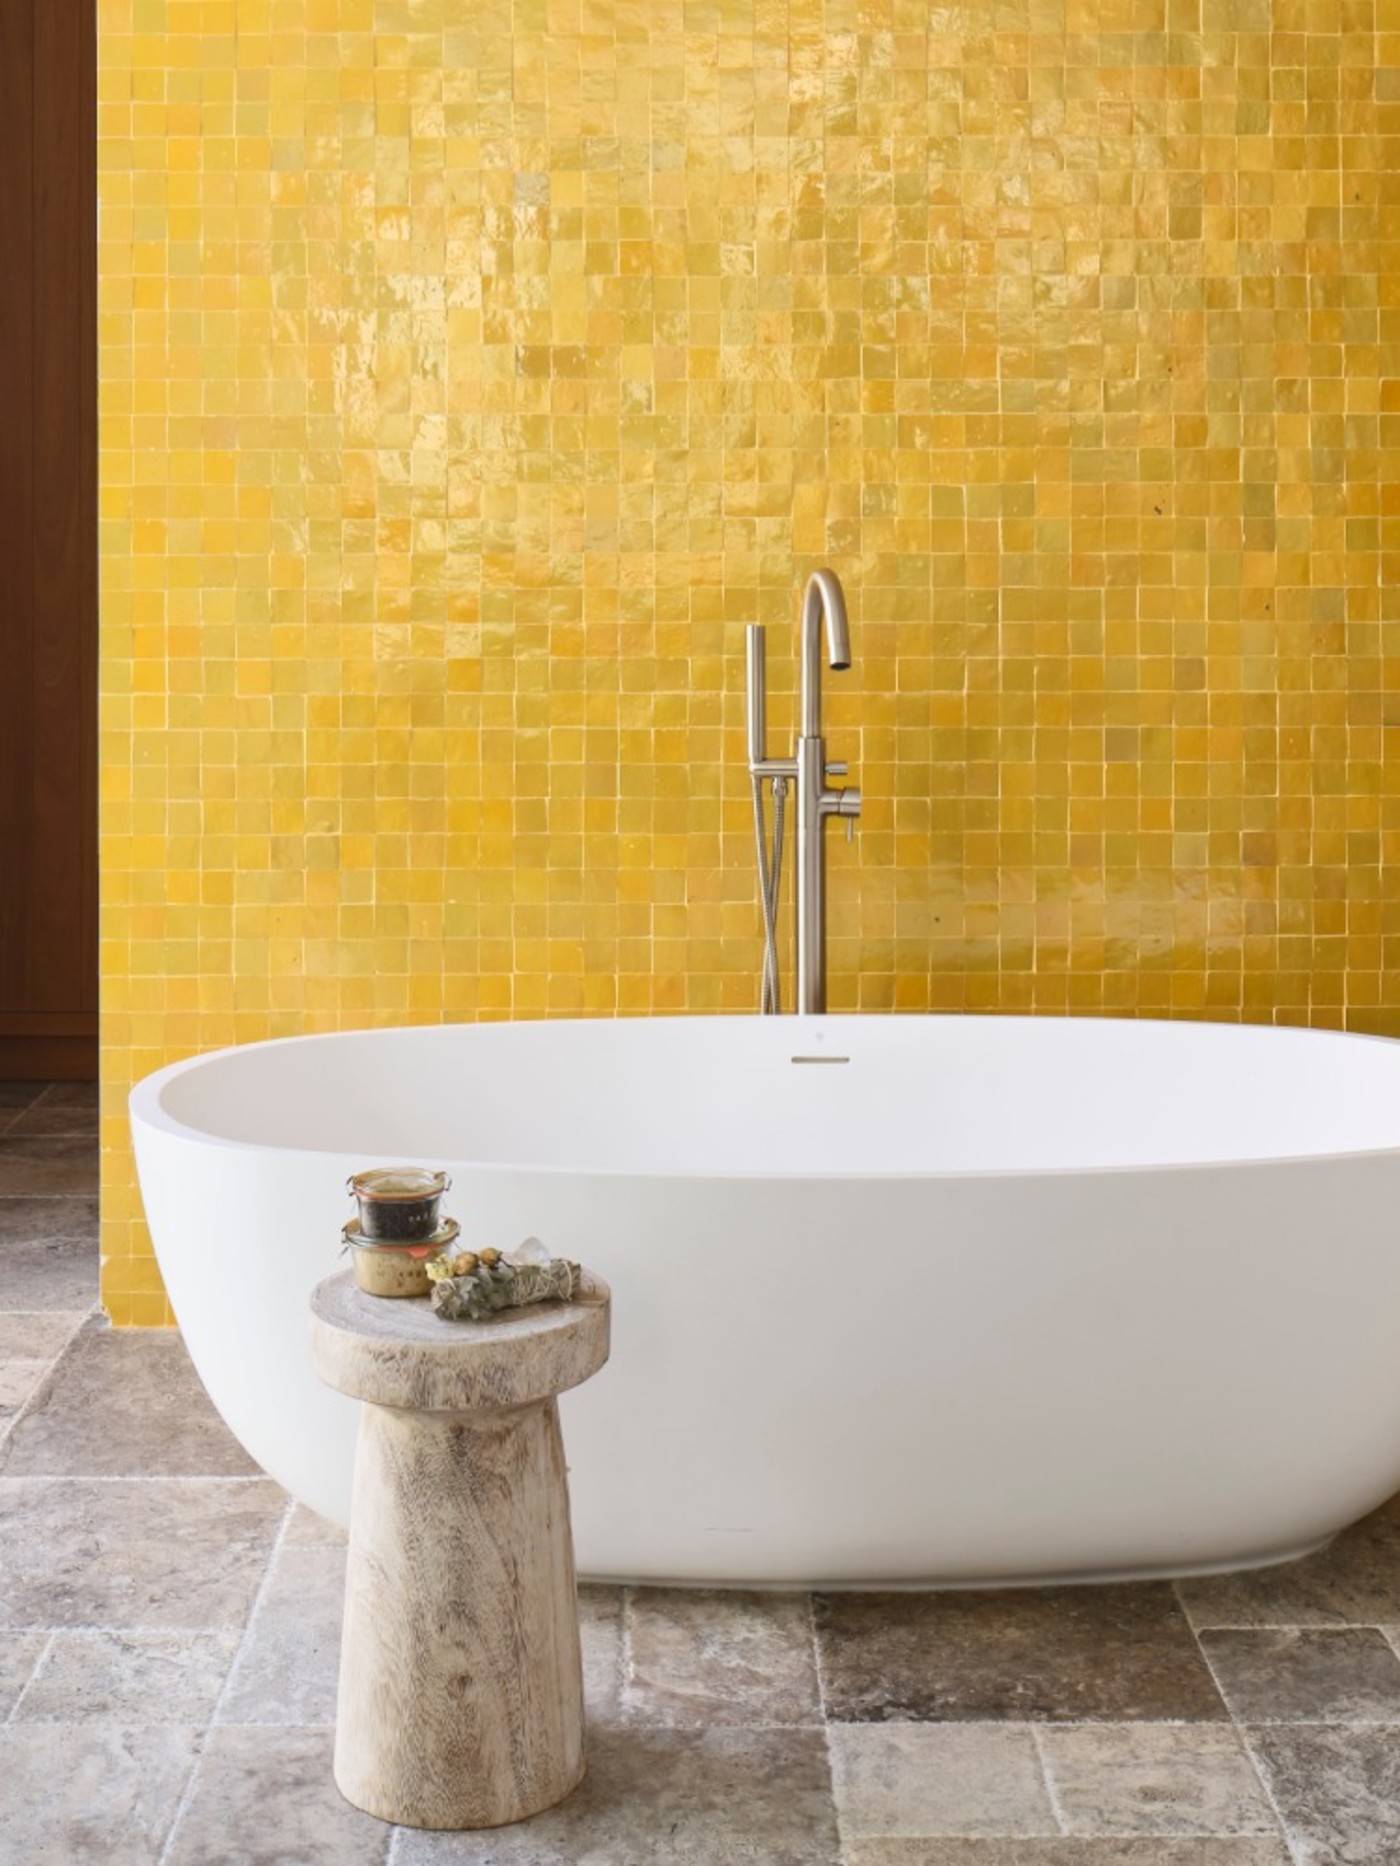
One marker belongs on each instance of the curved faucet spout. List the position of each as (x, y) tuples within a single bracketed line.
[(824, 599)]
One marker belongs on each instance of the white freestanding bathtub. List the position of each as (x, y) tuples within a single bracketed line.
[(897, 1300)]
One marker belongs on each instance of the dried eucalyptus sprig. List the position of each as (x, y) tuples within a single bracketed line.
[(489, 1288)]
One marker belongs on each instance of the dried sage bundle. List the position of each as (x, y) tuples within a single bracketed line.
[(490, 1288)]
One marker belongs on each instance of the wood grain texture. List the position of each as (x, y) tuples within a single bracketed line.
[(401, 1354), (461, 1682), (48, 519)]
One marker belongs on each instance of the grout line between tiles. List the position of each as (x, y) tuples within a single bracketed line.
[(192, 1783), (6, 1197), (34, 1670), (1242, 1737), (17, 1114), (842, 1852), (83, 1313), (43, 1383), (141, 1477), (1052, 1793), (624, 1652)]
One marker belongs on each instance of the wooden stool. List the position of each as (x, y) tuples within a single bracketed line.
[(461, 1686)]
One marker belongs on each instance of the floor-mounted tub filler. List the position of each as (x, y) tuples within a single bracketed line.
[(924, 1300)]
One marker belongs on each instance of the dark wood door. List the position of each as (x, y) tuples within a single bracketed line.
[(48, 539)]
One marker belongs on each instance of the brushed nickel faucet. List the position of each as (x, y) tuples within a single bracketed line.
[(823, 602)]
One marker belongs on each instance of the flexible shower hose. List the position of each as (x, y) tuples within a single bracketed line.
[(770, 878)]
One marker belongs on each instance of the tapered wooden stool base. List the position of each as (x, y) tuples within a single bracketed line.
[(461, 1686)]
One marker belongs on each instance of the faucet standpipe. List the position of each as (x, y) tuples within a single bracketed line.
[(823, 601)]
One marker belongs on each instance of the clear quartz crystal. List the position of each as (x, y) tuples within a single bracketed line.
[(529, 1251)]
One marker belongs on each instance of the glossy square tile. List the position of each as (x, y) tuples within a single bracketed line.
[(1053, 1654), (452, 429)]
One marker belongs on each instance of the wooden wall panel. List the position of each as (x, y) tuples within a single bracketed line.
[(48, 539)]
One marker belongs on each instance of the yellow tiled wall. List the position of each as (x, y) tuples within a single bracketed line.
[(472, 372)]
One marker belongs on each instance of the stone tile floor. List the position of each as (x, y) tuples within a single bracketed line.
[(169, 1626)]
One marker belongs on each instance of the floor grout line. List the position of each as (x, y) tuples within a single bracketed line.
[(1241, 1735), (264, 1584), (42, 1384), (144, 1477), (17, 1114), (1052, 1792), (842, 1852), (624, 1649), (34, 1670)]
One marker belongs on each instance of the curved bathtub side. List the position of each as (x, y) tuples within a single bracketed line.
[(242, 1237), (982, 1380), (876, 1381)]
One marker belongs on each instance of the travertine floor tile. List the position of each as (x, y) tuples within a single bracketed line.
[(705, 1657), (140, 1552), (15, 1097), (65, 1163), (19, 1654), (30, 1220), (124, 1402), (290, 1661), (600, 1636), (19, 1380), (1146, 1778), (38, 1337), (130, 1677), (1337, 1787), (1103, 1852), (95, 1794), (62, 1108), (1353, 1582), (1340, 1675), (47, 1272), (672, 1796), (266, 1797), (928, 1779), (1109, 1653)]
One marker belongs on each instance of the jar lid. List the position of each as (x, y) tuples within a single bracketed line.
[(398, 1182)]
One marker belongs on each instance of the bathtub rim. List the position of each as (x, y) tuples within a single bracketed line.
[(145, 1104)]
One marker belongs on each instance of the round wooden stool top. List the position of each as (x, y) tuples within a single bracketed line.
[(397, 1352)]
